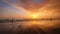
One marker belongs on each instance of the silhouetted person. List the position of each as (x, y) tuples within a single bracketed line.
[(12, 20)]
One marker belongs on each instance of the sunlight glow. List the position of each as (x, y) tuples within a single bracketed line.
[(34, 16)]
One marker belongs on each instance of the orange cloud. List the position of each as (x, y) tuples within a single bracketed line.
[(47, 5)]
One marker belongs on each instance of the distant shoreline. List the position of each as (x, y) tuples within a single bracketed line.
[(18, 20)]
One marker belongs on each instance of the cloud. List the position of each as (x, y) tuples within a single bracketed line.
[(28, 4), (54, 5), (34, 5)]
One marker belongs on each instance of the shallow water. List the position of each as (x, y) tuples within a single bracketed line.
[(12, 27)]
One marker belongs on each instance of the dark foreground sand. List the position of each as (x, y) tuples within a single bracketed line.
[(32, 30)]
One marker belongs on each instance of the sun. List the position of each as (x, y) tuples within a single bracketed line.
[(34, 16)]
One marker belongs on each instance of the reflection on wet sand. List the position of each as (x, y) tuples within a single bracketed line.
[(40, 27), (31, 27)]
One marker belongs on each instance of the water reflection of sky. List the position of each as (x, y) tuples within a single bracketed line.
[(25, 24)]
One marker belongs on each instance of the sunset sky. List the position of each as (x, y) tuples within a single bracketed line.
[(29, 8)]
